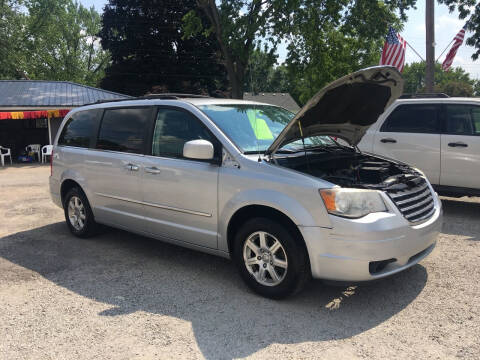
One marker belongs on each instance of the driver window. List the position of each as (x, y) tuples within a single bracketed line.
[(173, 128)]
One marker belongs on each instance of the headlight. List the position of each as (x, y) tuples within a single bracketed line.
[(352, 203)]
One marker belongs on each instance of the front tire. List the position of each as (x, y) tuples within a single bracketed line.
[(78, 214), (270, 260)]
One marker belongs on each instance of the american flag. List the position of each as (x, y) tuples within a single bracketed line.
[(393, 53), (453, 51)]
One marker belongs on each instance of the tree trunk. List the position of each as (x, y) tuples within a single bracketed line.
[(235, 71)]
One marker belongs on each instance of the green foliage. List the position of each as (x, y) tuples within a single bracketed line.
[(239, 27), (327, 38), (62, 35), (455, 82), (12, 20), (333, 38), (51, 40), (260, 72), (468, 9), (151, 53)]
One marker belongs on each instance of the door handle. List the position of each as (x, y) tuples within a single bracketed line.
[(457, 144), (132, 167), (388, 140), (152, 170)]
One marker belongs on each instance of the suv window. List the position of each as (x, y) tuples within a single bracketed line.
[(79, 130), (173, 128), (462, 119), (421, 118), (124, 129)]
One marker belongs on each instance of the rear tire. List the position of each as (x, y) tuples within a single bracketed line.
[(78, 214), (271, 261)]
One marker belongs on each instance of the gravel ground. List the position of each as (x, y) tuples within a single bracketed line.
[(122, 296)]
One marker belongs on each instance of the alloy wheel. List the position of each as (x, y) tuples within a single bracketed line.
[(76, 213), (265, 258)]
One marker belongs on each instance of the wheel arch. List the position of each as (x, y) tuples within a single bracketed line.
[(252, 211), (66, 186)]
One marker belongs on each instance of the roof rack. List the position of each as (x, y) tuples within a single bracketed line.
[(171, 96), (424, 96), (164, 96)]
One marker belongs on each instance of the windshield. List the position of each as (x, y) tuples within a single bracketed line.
[(253, 128)]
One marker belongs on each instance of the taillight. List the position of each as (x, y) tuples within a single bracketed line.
[(51, 163)]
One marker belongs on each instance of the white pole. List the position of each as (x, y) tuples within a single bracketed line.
[(49, 132)]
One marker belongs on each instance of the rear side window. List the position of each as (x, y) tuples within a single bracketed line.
[(462, 120), (173, 128), (124, 129), (80, 129), (413, 119)]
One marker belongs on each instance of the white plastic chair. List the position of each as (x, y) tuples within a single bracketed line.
[(46, 151), (4, 152), (36, 148)]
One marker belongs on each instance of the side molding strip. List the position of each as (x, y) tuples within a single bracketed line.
[(192, 212)]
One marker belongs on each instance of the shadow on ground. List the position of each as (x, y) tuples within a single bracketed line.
[(133, 273), (461, 218)]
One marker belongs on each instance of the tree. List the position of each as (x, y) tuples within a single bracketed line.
[(60, 39), (238, 26), (465, 10), (455, 82), (322, 26), (337, 38), (12, 21), (149, 52), (51, 40), (264, 75)]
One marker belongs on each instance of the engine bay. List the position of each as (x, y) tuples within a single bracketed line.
[(346, 167)]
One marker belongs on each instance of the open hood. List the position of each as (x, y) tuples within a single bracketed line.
[(345, 108)]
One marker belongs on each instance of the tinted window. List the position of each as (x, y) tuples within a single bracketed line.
[(124, 130), (459, 119), (476, 119), (413, 119), (79, 129), (173, 128)]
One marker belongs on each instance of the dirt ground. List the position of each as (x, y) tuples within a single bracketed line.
[(122, 296)]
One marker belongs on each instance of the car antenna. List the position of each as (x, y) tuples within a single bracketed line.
[(304, 148)]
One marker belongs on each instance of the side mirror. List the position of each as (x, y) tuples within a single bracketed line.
[(198, 149)]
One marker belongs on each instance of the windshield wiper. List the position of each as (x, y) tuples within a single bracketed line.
[(280, 151)]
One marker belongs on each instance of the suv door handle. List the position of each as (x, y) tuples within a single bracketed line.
[(388, 140), (457, 144), (152, 170), (132, 167)]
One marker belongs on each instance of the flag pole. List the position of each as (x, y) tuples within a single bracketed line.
[(410, 46), (450, 43)]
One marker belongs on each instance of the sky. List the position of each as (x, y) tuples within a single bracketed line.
[(447, 25)]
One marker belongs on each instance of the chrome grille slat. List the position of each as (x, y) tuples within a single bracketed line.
[(405, 193), (424, 193), (418, 212), (418, 204), (415, 204), (427, 215)]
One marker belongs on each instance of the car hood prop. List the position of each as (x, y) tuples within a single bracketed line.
[(345, 108)]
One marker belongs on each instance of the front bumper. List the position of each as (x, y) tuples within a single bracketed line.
[(345, 251)]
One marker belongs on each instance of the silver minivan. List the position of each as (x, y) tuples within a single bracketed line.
[(272, 190)]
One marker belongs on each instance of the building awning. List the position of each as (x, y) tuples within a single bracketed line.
[(41, 114)]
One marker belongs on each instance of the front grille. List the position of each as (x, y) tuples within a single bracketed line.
[(415, 203)]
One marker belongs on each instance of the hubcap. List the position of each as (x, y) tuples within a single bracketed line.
[(76, 213), (265, 258)]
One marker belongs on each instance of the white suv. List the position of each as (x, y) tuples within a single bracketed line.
[(441, 136)]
